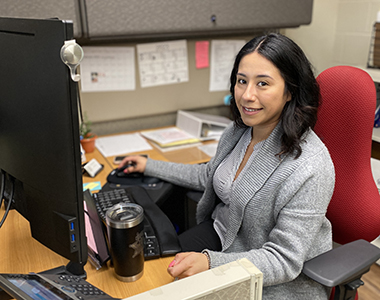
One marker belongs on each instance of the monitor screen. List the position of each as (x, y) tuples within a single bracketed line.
[(39, 134)]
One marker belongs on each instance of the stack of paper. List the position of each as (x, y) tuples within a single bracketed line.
[(169, 137)]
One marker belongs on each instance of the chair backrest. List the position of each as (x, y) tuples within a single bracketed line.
[(345, 124)]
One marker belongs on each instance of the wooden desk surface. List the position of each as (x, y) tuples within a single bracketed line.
[(189, 154), (20, 253)]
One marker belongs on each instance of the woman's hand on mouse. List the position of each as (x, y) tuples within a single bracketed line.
[(136, 163)]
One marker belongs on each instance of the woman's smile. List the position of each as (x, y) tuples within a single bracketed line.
[(251, 111)]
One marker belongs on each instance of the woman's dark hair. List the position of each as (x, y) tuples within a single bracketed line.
[(300, 113)]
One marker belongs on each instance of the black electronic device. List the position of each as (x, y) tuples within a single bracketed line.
[(120, 173), (118, 159), (160, 236), (49, 287), (39, 137), (118, 177)]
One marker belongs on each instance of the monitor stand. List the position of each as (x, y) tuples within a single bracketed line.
[(71, 269)]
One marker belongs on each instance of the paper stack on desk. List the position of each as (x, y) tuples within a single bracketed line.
[(169, 137)]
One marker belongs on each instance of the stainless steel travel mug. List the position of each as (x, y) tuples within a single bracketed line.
[(125, 230)]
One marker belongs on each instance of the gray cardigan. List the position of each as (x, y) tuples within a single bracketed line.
[(277, 214)]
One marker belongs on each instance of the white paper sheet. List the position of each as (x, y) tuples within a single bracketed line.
[(163, 63), (108, 69), (122, 144), (223, 53)]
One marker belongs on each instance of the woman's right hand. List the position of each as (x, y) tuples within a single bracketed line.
[(135, 163)]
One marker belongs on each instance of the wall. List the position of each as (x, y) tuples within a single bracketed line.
[(113, 112), (152, 106), (104, 106), (339, 34)]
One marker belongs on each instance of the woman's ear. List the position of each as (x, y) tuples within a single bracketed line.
[(288, 96)]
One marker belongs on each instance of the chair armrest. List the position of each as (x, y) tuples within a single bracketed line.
[(343, 264)]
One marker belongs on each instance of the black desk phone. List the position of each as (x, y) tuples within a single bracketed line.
[(48, 286)]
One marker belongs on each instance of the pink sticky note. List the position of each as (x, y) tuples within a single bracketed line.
[(89, 233), (201, 54)]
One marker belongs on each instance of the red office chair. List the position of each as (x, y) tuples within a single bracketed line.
[(345, 123)]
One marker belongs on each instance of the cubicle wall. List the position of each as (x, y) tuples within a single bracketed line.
[(117, 23)]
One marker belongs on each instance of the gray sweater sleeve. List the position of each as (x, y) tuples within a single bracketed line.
[(189, 176)]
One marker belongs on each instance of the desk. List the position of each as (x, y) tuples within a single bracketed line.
[(188, 155), (20, 253)]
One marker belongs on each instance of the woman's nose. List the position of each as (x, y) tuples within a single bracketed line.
[(249, 94)]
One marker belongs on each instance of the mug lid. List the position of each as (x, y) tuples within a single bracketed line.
[(124, 215)]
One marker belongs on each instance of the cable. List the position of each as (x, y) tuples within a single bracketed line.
[(2, 187), (79, 103), (9, 204)]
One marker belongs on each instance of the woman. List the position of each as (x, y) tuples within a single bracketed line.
[(267, 189)]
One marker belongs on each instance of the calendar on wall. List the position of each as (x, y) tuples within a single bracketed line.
[(163, 63)]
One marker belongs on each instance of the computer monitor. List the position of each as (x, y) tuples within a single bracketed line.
[(39, 135)]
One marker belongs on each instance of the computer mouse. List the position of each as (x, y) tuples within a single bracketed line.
[(150, 180), (120, 173)]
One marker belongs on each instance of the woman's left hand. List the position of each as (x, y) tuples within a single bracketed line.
[(188, 263)]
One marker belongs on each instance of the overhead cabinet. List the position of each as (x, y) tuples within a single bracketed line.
[(135, 19), (98, 20)]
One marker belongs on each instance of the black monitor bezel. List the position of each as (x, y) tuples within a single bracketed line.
[(42, 158)]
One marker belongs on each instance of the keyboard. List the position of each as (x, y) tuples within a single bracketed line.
[(106, 199), (50, 286)]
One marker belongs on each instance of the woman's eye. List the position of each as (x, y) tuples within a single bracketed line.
[(262, 83), (241, 81)]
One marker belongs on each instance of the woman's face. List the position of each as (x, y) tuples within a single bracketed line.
[(260, 92)]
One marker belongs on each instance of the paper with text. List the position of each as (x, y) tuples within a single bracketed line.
[(122, 144), (163, 63), (108, 69), (223, 53)]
